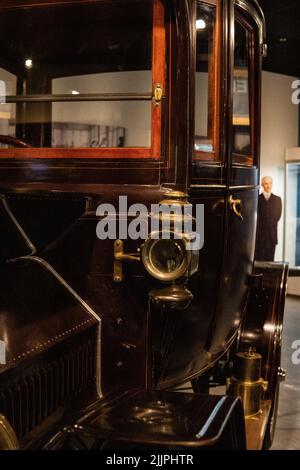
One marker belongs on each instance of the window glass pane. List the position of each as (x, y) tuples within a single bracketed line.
[(8, 86), (127, 119), (101, 124), (292, 235), (204, 106), (73, 50), (241, 95)]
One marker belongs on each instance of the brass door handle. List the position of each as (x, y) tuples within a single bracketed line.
[(119, 258), (235, 206)]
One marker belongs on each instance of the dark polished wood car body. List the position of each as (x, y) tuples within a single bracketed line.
[(74, 334)]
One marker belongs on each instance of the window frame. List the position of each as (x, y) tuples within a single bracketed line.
[(154, 152), (214, 80), (246, 161)]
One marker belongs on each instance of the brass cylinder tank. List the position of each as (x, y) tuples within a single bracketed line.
[(247, 382)]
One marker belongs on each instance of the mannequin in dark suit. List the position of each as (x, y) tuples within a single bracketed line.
[(268, 216)]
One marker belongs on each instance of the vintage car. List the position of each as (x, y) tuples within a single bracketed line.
[(107, 105)]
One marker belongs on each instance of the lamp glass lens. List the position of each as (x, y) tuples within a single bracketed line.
[(167, 255)]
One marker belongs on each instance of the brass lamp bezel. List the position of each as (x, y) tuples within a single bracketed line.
[(157, 237)]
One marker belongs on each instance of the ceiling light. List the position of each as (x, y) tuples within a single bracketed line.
[(28, 63), (200, 24)]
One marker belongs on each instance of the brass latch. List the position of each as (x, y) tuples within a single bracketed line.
[(265, 385), (119, 258), (235, 206), (157, 95), (264, 48)]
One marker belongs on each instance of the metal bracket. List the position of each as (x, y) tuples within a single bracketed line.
[(255, 281), (119, 258), (157, 95), (264, 47), (265, 385)]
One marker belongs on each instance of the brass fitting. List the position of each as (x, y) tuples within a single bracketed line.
[(247, 382)]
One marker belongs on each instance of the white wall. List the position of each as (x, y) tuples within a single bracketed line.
[(135, 116), (279, 132)]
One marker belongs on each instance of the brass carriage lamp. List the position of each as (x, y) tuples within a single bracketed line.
[(167, 255)]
